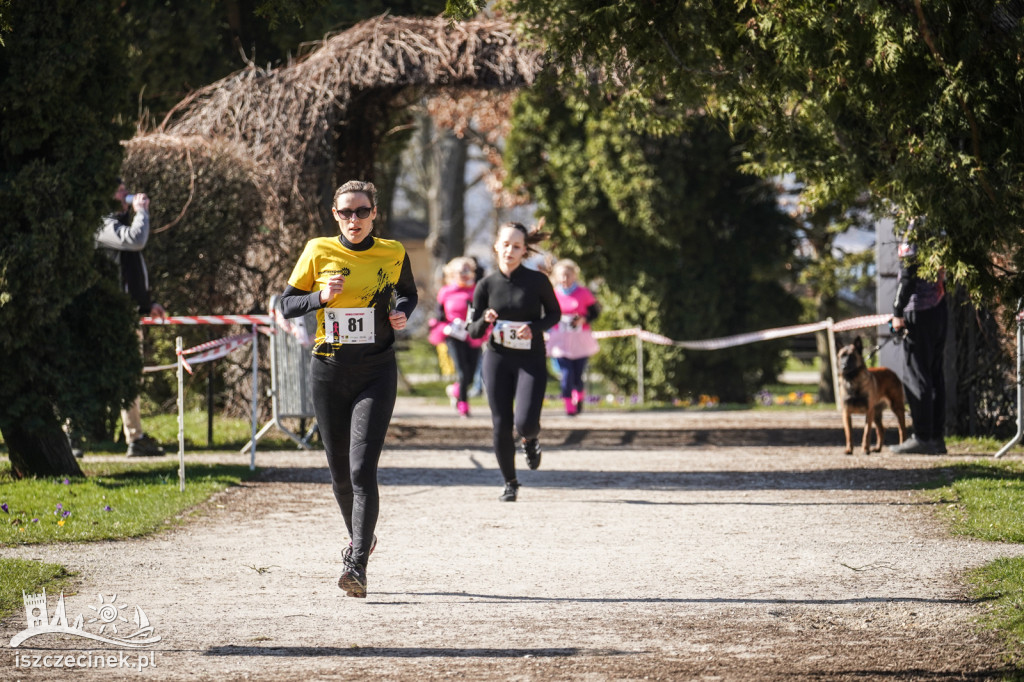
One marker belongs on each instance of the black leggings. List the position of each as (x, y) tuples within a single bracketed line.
[(515, 390), (353, 406), (925, 385), (465, 358)]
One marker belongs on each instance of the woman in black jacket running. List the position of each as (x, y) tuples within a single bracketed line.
[(520, 304)]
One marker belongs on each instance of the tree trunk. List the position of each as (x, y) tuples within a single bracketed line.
[(43, 451), (826, 308), (446, 210)]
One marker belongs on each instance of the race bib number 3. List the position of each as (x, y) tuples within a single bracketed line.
[(349, 325), (457, 329), (505, 334)]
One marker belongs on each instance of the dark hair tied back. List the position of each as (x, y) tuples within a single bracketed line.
[(533, 237)]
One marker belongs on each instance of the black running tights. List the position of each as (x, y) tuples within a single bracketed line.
[(465, 358), (515, 390), (353, 406)]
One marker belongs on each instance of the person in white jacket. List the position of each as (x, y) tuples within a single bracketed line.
[(123, 235)]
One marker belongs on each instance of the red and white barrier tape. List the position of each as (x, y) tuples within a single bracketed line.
[(750, 337), (862, 322), (301, 334), (613, 333), (209, 319), (275, 317), (214, 350)]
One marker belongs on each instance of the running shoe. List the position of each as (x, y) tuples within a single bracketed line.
[(353, 580), (511, 491), (346, 553), (144, 446), (532, 449)]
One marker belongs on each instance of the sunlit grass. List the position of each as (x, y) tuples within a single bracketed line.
[(984, 500), (17, 575), (116, 500)]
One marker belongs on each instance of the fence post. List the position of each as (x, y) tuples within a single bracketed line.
[(255, 397), (640, 365), (832, 361), (1020, 388), (181, 414)]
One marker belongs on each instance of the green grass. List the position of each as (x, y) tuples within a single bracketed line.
[(229, 433), (984, 500), (1001, 584), (31, 576), (116, 500), (418, 356)]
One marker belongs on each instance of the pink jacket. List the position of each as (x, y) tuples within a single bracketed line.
[(566, 341), (454, 302), (576, 303)]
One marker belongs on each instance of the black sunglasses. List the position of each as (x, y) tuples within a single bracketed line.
[(361, 212)]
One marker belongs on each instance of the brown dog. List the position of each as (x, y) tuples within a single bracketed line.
[(868, 390)]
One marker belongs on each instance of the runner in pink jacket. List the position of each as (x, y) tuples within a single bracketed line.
[(571, 342), (453, 303)]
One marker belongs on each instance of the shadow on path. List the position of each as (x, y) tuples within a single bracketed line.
[(407, 652), (682, 600), (823, 479), (406, 435)]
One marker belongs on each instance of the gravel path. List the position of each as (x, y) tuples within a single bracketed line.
[(648, 546)]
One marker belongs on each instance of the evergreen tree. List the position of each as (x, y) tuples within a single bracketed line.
[(67, 339), (683, 243), (917, 103)]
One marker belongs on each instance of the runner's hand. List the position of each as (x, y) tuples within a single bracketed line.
[(397, 319), (332, 287)]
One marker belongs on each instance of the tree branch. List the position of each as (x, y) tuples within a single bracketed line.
[(929, 40)]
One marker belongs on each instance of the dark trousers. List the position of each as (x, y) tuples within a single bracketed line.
[(571, 373), (515, 386), (925, 383), (353, 406), (465, 358)]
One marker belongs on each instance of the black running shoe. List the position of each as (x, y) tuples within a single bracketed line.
[(353, 580), (532, 449), (347, 552), (511, 491)]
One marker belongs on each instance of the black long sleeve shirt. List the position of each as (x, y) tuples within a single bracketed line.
[(523, 296)]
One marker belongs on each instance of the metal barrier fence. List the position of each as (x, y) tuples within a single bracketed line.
[(290, 341)]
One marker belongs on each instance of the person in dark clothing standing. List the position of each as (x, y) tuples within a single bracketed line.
[(920, 308), (349, 281), (123, 236), (520, 304)]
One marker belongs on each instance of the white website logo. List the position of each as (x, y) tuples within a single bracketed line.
[(113, 626)]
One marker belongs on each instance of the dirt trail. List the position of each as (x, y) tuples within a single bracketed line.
[(738, 548)]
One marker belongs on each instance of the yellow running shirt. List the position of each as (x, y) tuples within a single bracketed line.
[(357, 318)]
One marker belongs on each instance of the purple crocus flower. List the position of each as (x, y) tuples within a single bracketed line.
[(4, 507), (66, 514), (107, 508)]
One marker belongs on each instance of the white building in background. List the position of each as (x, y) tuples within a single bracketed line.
[(888, 268)]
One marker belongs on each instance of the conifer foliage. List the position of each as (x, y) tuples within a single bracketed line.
[(67, 338)]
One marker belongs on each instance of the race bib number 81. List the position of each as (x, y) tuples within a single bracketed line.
[(349, 325)]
